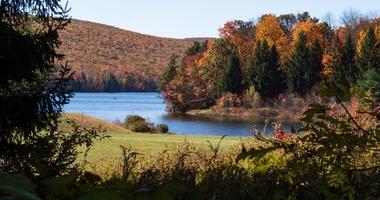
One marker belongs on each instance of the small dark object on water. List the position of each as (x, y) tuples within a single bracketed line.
[(114, 98)]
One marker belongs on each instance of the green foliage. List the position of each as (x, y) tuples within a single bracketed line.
[(111, 84), (161, 128), (130, 119), (141, 126), (370, 82), (231, 80), (194, 49), (169, 73), (304, 66), (345, 71), (137, 124), (369, 56), (334, 157), (263, 70), (16, 187), (368, 62)]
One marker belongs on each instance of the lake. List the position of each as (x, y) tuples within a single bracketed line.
[(116, 106)]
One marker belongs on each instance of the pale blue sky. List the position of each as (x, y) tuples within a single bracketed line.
[(200, 18)]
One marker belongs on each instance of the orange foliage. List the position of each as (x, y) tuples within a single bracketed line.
[(242, 35), (136, 60), (313, 31), (269, 29)]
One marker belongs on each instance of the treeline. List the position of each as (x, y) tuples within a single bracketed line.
[(109, 82), (276, 57)]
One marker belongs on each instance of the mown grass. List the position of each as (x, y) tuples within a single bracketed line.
[(145, 143), (152, 144)]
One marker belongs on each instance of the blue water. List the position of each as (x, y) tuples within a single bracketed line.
[(116, 106)]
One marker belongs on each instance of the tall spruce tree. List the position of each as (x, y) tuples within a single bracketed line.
[(169, 73), (232, 77), (304, 66), (344, 67), (369, 53), (368, 62), (314, 72), (297, 65), (263, 70)]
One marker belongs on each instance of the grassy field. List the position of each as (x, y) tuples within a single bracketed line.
[(150, 144), (145, 143)]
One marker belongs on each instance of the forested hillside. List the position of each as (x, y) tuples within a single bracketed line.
[(106, 58)]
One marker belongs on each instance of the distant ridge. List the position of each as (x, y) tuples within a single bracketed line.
[(106, 58)]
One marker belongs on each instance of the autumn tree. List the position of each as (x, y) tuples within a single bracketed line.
[(313, 31), (264, 70), (242, 35), (270, 29), (184, 87), (304, 66), (223, 69)]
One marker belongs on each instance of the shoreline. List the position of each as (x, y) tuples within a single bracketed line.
[(257, 115)]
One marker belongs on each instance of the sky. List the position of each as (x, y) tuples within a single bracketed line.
[(201, 18)]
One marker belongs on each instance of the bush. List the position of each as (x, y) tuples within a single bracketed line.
[(131, 119), (162, 128), (251, 98), (141, 127), (228, 100)]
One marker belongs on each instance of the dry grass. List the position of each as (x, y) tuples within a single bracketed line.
[(89, 122)]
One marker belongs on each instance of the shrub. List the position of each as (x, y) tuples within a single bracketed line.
[(251, 98), (140, 126), (131, 119), (228, 100), (162, 128)]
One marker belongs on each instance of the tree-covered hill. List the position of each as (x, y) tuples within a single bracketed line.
[(106, 58)]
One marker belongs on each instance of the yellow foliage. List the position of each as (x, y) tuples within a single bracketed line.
[(362, 35), (270, 29), (313, 31)]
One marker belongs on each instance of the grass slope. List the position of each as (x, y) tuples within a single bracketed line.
[(89, 122)]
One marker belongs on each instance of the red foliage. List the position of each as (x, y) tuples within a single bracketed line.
[(280, 134)]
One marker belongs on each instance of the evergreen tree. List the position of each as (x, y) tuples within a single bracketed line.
[(304, 66), (370, 82), (369, 64), (232, 76), (169, 73), (298, 62), (369, 56), (111, 84), (344, 67), (314, 72), (263, 70), (194, 49)]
